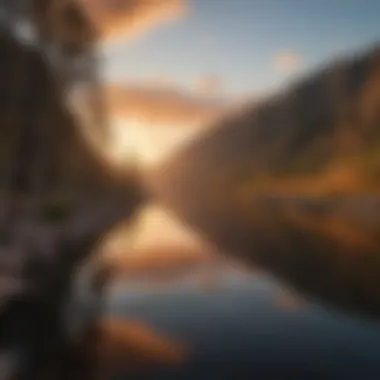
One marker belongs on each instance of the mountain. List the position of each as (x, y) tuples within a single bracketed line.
[(43, 145), (320, 136), (57, 192)]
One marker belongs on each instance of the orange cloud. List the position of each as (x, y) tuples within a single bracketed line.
[(131, 345), (287, 61), (117, 19), (160, 105), (288, 300)]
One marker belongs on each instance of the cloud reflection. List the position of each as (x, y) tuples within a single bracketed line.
[(132, 345)]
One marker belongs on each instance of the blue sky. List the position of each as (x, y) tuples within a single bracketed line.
[(238, 41)]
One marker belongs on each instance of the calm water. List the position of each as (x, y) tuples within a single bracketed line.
[(249, 328)]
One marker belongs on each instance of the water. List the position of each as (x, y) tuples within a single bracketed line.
[(249, 328)]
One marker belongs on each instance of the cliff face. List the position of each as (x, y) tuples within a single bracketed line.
[(43, 148), (58, 198), (56, 191)]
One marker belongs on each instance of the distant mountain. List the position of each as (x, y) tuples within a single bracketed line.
[(160, 104)]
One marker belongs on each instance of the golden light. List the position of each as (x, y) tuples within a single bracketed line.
[(156, 223), (135, 141), (154, 227), (147, 144)]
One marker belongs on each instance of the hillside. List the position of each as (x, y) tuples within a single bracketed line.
[(320, 137)]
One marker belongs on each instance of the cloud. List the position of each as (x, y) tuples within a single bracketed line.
[(160, 105), (132, 345), (287, 300), (116, 19), (287, 61), (210, 85)]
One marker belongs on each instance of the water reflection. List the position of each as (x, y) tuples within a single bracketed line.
[(252, 328), (309, 315), (326, 248), (127, 346)]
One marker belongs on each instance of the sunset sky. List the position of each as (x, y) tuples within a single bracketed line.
[(243, 46)]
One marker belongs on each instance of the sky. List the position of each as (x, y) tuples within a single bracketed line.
[(245, 46)]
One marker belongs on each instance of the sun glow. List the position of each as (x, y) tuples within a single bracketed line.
[(133, 140)]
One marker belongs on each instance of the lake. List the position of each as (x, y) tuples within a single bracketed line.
[(249, 327)]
